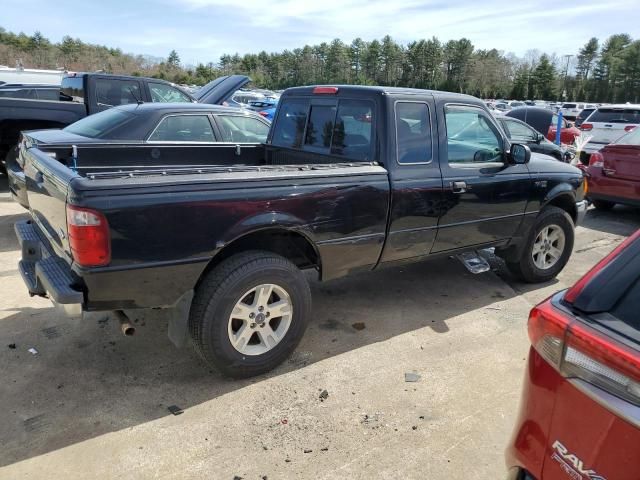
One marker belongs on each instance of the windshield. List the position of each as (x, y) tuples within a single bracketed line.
[(101, 124), (616, 115)]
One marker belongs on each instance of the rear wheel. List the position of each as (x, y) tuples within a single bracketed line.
[(249, 313), (603, 205), (548, 247)]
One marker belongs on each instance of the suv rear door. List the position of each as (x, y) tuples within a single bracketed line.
[(622, 158), (607, 124)]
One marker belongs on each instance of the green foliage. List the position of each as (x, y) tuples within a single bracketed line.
[(606, 71)]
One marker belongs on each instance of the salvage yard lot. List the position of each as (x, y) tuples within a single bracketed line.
[(94, 404)]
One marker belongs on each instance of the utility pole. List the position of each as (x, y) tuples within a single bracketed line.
[(566, 74)]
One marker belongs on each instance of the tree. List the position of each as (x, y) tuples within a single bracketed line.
[(543, 79), (173, 61)]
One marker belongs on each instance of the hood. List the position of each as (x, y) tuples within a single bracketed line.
[(541, 163), (221, 89), (56, 136)]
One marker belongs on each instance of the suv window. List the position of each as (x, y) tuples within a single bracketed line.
[(413, 132), (72, 89), (236, 128), (48, 94), (519, 131), (471, 137), (161, 92), (112, 92), (183, 128), (569, 105), (616, 115)]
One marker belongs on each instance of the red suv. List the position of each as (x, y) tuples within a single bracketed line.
[(614, 173), (580, 409)]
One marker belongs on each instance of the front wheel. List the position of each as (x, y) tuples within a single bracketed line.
[(249, 313), (548, 247)]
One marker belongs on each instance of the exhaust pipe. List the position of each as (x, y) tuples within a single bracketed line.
[(128, 330)]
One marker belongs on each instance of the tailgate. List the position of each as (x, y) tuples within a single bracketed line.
[(47, 183), (622, 161), (607, 132)]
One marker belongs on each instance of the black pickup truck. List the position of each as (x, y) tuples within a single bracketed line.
[(350, 179)]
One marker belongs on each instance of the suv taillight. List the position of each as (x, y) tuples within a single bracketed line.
[(586, 127), (628, 128), (578, 351), (89, 239), (596, 160)]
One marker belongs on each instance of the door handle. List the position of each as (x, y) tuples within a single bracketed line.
[(608, 171), (458, 187)]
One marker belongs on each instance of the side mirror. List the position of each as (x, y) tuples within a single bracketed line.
[(539, 138), (569, 124), (520, 154)]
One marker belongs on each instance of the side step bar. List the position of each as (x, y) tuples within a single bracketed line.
[(474, 262)]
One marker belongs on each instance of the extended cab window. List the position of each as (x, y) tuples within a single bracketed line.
[(353, 130), (183, 128), (161, 92), (413, 132), (112, 92), (471, 137), (239, 129)]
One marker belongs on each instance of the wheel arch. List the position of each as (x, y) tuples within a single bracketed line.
[(563, 199)]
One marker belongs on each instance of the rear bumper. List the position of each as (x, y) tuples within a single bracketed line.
[(44, 273), (17, 185)]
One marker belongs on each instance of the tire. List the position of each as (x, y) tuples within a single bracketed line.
[(526, 268), (603, 205), (221, 292)]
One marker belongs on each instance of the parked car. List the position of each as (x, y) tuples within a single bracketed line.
[(580, 408), (269, 113), (571, 110), (614, 173), (263, 104), (583, 115), (176, 124), (502, 107), (81, 94), (545, 122), (520, 132), (608, 123), (517, 104), (30, 91), (350, 179)]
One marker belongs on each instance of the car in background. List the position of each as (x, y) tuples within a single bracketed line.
[(269, 113), (502, 107), (149, 124), (614, 173), (579, 413), (517, 104), (519, 132), (263, 104), (36, 91), (545, 122), (583, 115), (571, 110), (607, 124)]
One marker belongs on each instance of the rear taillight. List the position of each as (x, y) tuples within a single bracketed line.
[(574, 291), (628, 128), (578, 351), (586, 127), (263, 113), (89, 239), (596, 160)]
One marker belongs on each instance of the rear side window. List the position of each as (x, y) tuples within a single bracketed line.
[(112, 92), (615, 115), (48, 94), (183, 128), (240, 129), (161, 92), (353, 130), (413, 133), (72, 89)]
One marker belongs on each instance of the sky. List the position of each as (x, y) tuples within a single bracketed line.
[(202, 30)]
